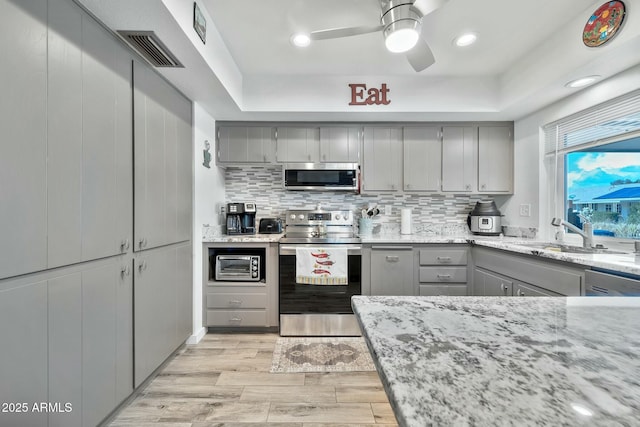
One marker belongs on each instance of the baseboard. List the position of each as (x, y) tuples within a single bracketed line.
[(195, 338)]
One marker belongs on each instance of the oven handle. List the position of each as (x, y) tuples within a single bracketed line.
[(291, 249)]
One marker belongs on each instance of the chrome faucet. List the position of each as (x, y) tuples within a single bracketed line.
[(586, 232)]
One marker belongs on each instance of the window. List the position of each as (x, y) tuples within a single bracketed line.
[(596, 157)]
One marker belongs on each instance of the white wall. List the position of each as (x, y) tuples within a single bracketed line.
[(208, 194), (531, 178)]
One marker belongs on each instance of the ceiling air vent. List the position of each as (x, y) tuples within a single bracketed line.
[(147, 44)]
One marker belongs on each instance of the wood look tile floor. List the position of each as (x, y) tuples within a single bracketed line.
[(224, 381)]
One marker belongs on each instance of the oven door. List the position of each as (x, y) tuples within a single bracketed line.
[(318, 310)]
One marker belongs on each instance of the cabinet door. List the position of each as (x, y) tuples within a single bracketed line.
[(298, 144), (99, 337), (23, 151), (460, 159), (422, 149), (491, 284), (184, 167), (124, 328), (245, 144), (392, 271), (184, 293), (23, 331), (106, 142), (65, 347), (495, 159), (435, 290), (382, 161), (340, 144)]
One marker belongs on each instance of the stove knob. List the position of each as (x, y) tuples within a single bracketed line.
[(338, 217), (300, 217), (292, 216)]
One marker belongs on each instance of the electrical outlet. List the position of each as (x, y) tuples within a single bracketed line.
[(387, 210), (525, 209)]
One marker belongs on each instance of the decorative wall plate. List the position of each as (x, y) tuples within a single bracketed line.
[(603, 24)]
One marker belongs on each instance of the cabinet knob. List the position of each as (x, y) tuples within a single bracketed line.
[(124, 271), (468, 187), (392, 258), (142, 266), (503, 287), (143, 242), (408, 186), (520, 293), (483, 186), (393, 186), (264, 158), (124, 245)]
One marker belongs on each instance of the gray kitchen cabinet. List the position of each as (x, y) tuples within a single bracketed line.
[(442, 270), (23, 330), (340, 144), (89, 139), (554, 277), (162, 286), (65, 347), (23, 151), (392, 270), (487, 283), (297, 144), (422, 151), (162, 133), (382, 160), (460, 159), (495, 159), (245, 144)]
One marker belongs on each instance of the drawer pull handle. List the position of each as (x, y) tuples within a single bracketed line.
[(444, 258), (236, 319), (235, 302), (392, 258), (444, 276)]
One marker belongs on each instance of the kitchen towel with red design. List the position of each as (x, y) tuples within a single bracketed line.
[(321, 266)]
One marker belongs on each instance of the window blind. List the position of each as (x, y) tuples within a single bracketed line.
[(596, 125)]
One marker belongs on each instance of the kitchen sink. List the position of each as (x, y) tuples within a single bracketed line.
[(558, 247)]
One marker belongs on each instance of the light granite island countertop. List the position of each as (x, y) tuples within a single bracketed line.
[(479, 361)]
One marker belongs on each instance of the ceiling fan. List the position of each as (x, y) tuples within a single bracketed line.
[(401, 25)]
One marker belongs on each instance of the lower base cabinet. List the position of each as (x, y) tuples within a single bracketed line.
[(162, 298), (71, 344), (392, 270)]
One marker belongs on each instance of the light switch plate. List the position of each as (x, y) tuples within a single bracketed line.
[(525, 209)]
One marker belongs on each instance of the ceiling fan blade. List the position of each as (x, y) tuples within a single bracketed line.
[(421, 57), (427, 6), (336, 33)]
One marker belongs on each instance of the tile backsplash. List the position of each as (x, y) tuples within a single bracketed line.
[(432, 213)]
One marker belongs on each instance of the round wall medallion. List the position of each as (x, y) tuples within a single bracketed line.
[(603, 24)]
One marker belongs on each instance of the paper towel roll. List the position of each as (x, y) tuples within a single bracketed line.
[(405, 221)]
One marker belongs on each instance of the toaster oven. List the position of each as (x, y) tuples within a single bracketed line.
[(238, 267)]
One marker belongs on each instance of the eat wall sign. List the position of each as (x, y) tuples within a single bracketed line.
[(360, 95)]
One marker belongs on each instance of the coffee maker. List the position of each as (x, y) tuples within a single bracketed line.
[(241, 218)]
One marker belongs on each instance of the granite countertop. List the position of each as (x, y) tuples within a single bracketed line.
[(506, 361)]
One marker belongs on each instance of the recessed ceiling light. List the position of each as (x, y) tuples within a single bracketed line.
[(465, 39), (301, 39), (583, 81)]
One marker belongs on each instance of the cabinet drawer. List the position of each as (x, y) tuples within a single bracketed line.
[(443, 274), (447, 290), (447, 256), (236, 318), (236, 300)]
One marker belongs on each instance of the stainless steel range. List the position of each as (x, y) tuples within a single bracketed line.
[(315, 294)]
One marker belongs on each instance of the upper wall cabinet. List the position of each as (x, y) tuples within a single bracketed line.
[(297, 145), (245, 144), (163, 161), (495, 159), (422, 150), (89, 169), (23, 150), (382, 161), (340, 144), (460, 159)]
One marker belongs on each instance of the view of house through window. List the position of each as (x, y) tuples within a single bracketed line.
[(603, 186)]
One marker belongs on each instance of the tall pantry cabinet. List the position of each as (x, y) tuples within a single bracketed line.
[(70, 281)]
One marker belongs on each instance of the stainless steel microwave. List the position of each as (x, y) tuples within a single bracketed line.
[(236, 267), (321, 176)]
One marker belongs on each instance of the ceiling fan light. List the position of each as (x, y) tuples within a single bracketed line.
[(399, 40), (301, 40)]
